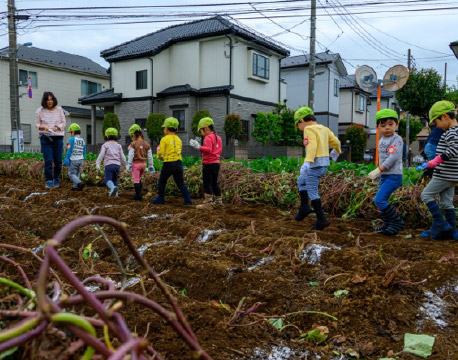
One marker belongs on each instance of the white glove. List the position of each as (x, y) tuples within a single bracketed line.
[(97, 167), (305, 168), (374, 174), (194, 143), (52, 132), (128, 167), (151, 170), (333, 155)]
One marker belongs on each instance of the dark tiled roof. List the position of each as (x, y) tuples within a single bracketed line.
[(105, 95), (349, 82), (82, 111), (58, 58), (299, 60), (154, 43), (384, 94), (188, 89)]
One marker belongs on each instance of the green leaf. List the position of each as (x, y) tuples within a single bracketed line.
[(314, 336), (418, 344), (313, 283), (276, 323), (87, 252), (339, 293), (8, 352)]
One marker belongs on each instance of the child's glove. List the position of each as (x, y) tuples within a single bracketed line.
[(66, 162), (305, 168), (422, 166), (97, 167), (151, 170), (334, 155), (194, 143), (128, 167), (374, 174), (434, 162)]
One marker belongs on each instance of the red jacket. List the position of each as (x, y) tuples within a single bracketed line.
[(211, 149)]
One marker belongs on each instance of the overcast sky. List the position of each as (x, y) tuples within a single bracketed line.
[(362, 32)]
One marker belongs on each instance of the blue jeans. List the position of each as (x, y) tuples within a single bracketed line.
[(430, 151), (112, 173), (52, 148), (388, 184), (311, 180)]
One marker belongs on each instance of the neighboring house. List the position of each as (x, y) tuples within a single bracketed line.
[(212, 64), (329, 70), (454, 47), (352, 105), (68, 76)]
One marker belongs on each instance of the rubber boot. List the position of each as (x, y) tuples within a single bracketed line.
[(440, 229), (186, 195), (385, 224), (218, 201), (138, 192), (321, 221), (159, 200), (113, 188), (304, 208), (207, 203), (393, 222), (450, 216)]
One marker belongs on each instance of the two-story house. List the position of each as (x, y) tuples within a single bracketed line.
[(68, 76), (329, 69), (212, 64)]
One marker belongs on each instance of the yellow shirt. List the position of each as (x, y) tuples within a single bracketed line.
[(317, 139), (170, 148)]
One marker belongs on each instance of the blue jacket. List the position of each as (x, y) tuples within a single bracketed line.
[(434, 136), (76, 149)]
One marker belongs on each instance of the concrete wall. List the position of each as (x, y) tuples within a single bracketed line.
[(127, 113)]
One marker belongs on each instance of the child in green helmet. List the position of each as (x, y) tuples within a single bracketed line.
[(445, 176), (76, 151), (139, 151), (112, 155)]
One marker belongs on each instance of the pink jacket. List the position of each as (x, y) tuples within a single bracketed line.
[(211, 149)]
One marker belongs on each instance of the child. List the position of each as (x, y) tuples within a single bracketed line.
[(389, 170), (113, 157), (445, 176), (317, 139), (211, 151), (169, 150), (139, 150), (76, 151)]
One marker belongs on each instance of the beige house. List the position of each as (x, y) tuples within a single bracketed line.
[(68, 76)]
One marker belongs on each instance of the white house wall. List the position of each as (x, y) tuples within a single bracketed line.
[(346, 99), (124, 78), (214, 62)]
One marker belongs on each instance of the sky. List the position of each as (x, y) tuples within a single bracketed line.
[(377, 33)]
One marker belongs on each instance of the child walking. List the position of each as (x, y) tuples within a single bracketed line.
[(317, 139), (211, 151), (139, 151), (76, 151), (445, 176), (389, 170), (113, 157), (169, 150)]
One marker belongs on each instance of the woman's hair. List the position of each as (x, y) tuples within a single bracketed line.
[(112, 137), (138, 133), (47, 94)]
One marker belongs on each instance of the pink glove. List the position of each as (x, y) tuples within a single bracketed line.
[(434, 162)]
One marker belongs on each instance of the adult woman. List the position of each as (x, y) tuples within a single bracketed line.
[(50, 122)]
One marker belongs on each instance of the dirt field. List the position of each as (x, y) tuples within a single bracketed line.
[(213, 260)]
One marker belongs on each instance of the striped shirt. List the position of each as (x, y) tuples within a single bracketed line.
[(50, 119), (448, 151)]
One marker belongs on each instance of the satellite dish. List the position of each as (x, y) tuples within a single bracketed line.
[(395, 77), (366, 78)]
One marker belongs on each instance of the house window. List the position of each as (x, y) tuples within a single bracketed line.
[(27, 133), (336, 87), (142, 82), (245, 135), (261, 66), (362, 103), (89, 134), (141, 122), (89, 87), (24, 74), (179, 115)]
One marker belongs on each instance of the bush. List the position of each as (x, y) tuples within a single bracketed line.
[(154, 127), (415, 126), (195, 120), (358, 142), (233, 126), (268, 128), (110, 120)]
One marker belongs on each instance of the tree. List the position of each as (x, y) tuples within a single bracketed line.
[(358, 142), (154, 128), (452, 94), (290, 136), (415, 126), (110, 120), (233, 126), (268, 128), (195, 120), (421, 91)]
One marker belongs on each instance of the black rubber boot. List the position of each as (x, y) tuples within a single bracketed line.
[(304, 208), (138, 192), (321, 221), (393, 221), (187, 196)]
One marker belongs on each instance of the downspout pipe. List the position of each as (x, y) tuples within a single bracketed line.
[(228, 96), (152, 88)]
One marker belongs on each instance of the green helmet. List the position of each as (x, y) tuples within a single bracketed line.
[(74, 127), (386, 114), (171, 122), (111, 132), (440, 108), (204, 122), (301, 113), (134, 128)]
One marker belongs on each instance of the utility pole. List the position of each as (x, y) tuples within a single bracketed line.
[(311, 95), (14, 75), (445, 76), (409, 64)]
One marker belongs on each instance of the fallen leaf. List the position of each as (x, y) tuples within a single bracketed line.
[(339, 293), (340, 339), (352, 353), (358, 279), (450, 257)]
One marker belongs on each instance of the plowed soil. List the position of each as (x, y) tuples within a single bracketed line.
[(258, 254)]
